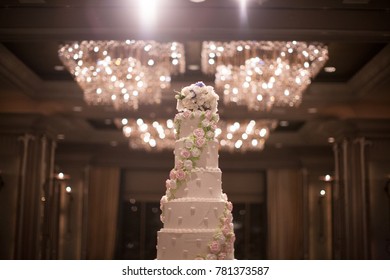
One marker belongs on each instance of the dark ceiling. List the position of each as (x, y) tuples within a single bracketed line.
[(354, 98)]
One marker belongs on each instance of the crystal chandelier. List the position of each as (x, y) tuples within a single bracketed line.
[(245, 136), (233, 136), (263, 74), (147, 135), (123, 73)]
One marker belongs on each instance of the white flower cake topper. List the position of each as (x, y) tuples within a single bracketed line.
[(197, 96)]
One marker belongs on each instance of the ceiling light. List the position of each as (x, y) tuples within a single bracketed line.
[(77, 108), (193, 67), (263, 74), (159, 135), (123, 74), (312, 110), (197, 1), (61, 176), (330, 69), (59, 67), (147, 11), (331, 140), (326, 178), (283, 123)]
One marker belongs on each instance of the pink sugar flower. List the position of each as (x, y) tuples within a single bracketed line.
[(186, 114), (214, 247), (181, 175), (205, 123), (172, 174), (214, 126), (222, 256), (229, 247), (172, 184), (208, 114), (188, 164), (195, 152), (163, 199), (210, 134), (185, 153), (200, 142), (229, 206), (229, 217), (168, 183), (224, 220), (179, 164), (188, 144), (226, 229), (199, 132), (220, 238), (211, 257)]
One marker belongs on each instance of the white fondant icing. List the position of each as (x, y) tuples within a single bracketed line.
[(186, 241), (209, 186), (204, 217), (188, 126)]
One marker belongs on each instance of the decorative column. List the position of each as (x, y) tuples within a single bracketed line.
[(103, 199), (36, 166), (350, 200), (285, 214)]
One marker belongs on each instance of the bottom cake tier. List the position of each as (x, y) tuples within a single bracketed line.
[(193, 244)]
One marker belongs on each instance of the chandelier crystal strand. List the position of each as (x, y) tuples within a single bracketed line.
[(148, 135), (123, 73), (244, 136), (263, 74), (232, 136)]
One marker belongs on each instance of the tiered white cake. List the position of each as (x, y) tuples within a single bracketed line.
[(198, 222)]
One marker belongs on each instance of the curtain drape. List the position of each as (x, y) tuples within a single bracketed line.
[(285, 214), (103, 196)]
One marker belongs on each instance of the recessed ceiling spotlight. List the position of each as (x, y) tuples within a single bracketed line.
[(193, 67), (59, 67), (330, 69), (283, 123), (331, 140), (197, 1), (77, 108), (326, 178), (60, 136)]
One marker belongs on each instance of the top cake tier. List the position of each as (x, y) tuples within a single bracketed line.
[(197, 97)]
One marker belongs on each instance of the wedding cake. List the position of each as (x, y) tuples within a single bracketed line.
[(197, 216)]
